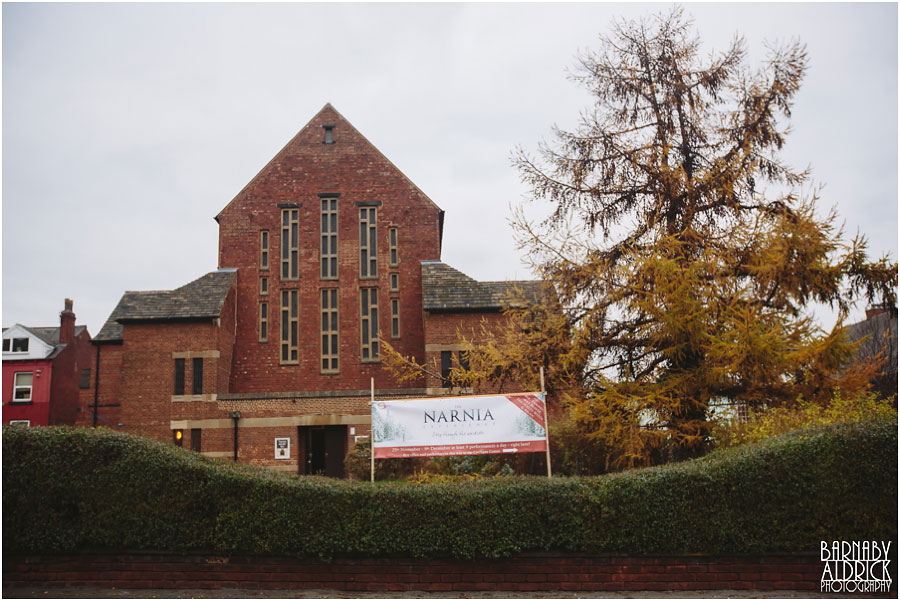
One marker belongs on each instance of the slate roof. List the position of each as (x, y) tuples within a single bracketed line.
[(447, 289), (200, 299), (51, 335), (881, 322)]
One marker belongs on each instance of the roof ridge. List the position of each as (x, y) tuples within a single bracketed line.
[(290, 143)]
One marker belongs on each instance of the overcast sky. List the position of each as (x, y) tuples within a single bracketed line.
[(128, 127)]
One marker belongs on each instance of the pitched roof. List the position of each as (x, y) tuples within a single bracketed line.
[(877, 324), (51, 335), (447, 289), (200, 299), (300, 160)]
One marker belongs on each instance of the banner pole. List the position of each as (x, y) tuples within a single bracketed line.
[(371, 429), (546, 423)]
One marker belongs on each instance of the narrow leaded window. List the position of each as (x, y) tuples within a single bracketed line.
[(329, 238), (446, 358), (329, 330), (395, 318), (195, 439), (263, 285), (264, 249), (464, 360), (395, 282), (290, 243), (197, 376), (368, 250), (369, 323), (85, 380), (289, 313), (393, 259), (179, 377), (263, 322)]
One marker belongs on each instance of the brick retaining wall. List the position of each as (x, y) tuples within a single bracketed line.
[(527, 572)]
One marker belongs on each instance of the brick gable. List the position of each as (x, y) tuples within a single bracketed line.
[(353, 170)]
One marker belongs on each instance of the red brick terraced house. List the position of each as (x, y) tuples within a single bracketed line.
[(268, 360), (44, 369)]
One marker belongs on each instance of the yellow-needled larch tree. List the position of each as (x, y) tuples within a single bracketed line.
[(684, 253)]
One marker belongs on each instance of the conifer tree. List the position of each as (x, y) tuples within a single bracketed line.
[(685, 253)]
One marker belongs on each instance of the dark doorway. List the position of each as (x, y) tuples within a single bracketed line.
[(322, 450)]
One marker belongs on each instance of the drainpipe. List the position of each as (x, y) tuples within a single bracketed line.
[(235, 415)]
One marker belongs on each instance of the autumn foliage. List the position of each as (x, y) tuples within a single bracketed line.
[(684, 256)]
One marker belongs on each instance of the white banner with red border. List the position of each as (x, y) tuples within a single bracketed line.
[(476, 425)]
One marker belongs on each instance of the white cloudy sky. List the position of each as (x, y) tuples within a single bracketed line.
[(127, 127)]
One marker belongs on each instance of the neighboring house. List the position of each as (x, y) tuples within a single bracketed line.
[(43, 371), (877, 336), (269, 359)]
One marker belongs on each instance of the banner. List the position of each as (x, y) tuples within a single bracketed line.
[(478, 425)]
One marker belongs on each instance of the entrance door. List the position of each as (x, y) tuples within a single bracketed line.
[(322, 450)]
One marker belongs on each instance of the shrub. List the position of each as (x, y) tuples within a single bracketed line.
[(67, 489), (358, 464), (765, 423)]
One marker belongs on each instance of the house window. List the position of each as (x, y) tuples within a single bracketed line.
[(85, 380), (195, 439), (368, 263), (263, 285), (19, 345), (395, 318), (395, 282), (446, 357), (20, 422), (393, 259), (369, 323), (264, 249), (329, 331), (179, 377), (22, 387), (290, 243), (263, 322), (464, 360), (329, 134), (197, 376), (289, 318), (329, 238)]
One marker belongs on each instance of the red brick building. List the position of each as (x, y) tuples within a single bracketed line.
[(44, 370), (269, 359)]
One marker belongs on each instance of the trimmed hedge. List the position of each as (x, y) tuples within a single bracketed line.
[(67, 489)]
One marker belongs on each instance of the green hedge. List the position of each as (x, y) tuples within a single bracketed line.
[(67, 489)]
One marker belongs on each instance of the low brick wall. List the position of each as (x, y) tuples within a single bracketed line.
[(527, 572)]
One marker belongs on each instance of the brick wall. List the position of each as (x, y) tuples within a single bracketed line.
[(442, 333), (305, 168), (67, 365), (527, 572), (107, 390)]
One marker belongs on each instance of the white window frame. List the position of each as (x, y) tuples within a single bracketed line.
[(12, 345), (20, 422), (16, 387)]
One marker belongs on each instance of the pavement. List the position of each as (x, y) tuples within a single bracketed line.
[(225, 593)]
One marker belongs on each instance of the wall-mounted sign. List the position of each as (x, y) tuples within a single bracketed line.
[(282, 448)]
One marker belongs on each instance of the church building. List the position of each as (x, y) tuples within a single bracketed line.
[(269, 358)]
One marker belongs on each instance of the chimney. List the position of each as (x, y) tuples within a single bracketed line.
[(67, 324), (875, 310)]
